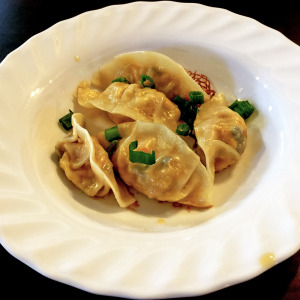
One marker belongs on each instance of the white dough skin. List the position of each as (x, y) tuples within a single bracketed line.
[(87, 164), (177, 175), (221, 134)]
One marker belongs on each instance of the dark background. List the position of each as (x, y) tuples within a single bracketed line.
[(20, 20)]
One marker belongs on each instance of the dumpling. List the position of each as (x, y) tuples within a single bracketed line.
[(177, 174), (87, 164), (127, 102), (169, 77), (221, 134)]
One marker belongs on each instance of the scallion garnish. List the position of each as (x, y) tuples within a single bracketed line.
[(180, 102), (140, 156), (66, 121), (112, 133), (188, 109), (183, 129), (111, 148), (196, 97), (121, 79), (244, 108), (145, 78)]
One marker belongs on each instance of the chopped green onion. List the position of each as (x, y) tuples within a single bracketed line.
[(189, 115), (180, 102), (188, 110), (111, 148), (196, 97), (121, 79), (112, 133), (66, 121), (140, 156), (243, 108), (147, 78), (183, 129)]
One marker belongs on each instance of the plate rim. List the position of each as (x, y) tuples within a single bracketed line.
[(15, 251)]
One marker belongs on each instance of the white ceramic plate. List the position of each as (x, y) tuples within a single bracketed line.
[(156, 251)]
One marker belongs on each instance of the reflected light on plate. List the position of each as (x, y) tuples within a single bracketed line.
[(281, 143), (33, 93)]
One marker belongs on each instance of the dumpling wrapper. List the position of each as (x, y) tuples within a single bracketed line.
[(177, 174), (221, 133), (87, 164), (169, 77), (131, 102)]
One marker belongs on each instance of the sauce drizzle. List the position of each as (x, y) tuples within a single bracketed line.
[(267, 260)]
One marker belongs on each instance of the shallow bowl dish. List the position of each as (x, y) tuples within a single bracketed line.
[(155, 251)]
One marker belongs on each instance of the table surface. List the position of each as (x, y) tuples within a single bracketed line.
[(20, 20)]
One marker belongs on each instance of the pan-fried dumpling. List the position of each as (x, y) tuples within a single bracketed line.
[(177, 174), (87, 164), (221, 133), (169, 77), (131, 102)]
